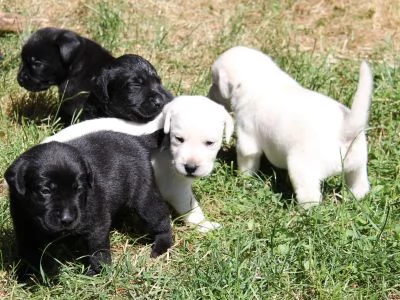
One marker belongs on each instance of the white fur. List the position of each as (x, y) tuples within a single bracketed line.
[(112, 124), (184, 117), (310, 134)]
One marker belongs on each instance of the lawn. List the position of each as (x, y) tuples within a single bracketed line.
[(268, 248)]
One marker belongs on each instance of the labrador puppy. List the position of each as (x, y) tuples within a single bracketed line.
[(305, 132), (76, 190), (53, 56), (195, 126), (128, 88)]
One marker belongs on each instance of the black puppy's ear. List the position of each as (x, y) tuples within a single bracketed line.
[(100, 87), (70, 45), (89, 174), (15, 176)]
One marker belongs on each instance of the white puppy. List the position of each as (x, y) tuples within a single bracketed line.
[(196, 126), (311, 135)]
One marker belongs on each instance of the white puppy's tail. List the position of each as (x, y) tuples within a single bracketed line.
[(357, 119)]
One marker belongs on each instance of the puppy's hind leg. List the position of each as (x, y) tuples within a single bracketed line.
[(306, 182), (357, 181)]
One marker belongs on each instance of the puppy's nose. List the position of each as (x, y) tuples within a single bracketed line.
[(190, 169), (66, 218), (156, 101)]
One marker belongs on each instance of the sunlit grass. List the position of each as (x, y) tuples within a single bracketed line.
[(268, 248)]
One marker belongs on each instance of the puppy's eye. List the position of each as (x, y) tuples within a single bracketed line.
[(179, 139), (75, 186), (35, 63), (137, 81), (209, 143), (45, 191)]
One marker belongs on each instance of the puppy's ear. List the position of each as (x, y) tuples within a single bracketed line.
[(100, 87), (89, 174), (229, 125), (221, 85), (167, 111), (15, 176), (69, 44)]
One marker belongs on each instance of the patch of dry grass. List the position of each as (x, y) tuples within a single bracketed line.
[(182, 38), (349, 27)]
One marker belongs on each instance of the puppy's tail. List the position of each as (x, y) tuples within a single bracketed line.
[(357, 119)]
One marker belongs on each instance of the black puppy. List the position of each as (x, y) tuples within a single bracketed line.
[(53, 56), (128, 88), (76, 190)]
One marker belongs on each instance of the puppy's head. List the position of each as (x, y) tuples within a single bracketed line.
[(50, 182), (196, 125), (242, 74), (46, 58), (130, 88)]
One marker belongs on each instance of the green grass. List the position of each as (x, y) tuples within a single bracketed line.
[(268, 248)]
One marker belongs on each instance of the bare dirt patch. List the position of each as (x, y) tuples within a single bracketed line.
[(349, 28), (183, 37)]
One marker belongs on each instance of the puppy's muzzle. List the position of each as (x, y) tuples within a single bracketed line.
[(190, 169), (30, 83), (156, 100), (62, 220), (66, 218)]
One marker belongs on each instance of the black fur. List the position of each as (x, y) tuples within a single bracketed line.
[(128, 88), (53, 56), (76, 190)]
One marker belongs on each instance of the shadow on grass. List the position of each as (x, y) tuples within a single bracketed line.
[(38, 107), (278, 178), (8, 253)]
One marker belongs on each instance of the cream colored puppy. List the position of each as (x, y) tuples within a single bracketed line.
[(195, 125), (305, 132)]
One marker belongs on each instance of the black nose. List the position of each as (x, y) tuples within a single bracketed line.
[(156, 101), (190, 169), (66, 217)]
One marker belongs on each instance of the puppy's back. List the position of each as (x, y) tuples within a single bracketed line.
[(115, 155)]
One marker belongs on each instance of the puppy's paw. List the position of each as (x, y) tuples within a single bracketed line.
[(360, 191), (161, 244), (91, 272), (206, 226), (308, 205)]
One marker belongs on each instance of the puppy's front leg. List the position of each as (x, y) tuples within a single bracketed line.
[(248, 153), (177, 191), (181, 198), (305, 179), (98, 250), (357, 181), (30, 244), (31, 261), (152, 209)]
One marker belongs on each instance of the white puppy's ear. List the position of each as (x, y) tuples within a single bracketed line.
[(223, 83), (167, 111), (229, 126)]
